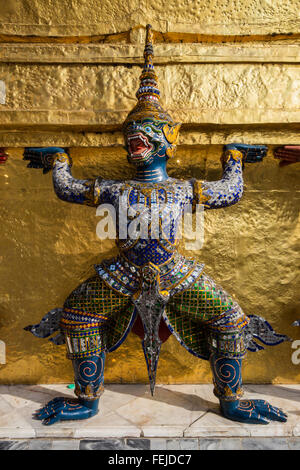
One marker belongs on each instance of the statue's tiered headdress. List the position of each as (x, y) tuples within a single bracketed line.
[(148, 94)]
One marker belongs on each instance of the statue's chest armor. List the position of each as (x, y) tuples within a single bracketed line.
[(153, 216), (137, 202)]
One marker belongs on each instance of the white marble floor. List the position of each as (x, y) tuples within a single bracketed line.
[(175, 411)]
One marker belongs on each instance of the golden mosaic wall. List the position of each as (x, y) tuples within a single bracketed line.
[(230, 72)]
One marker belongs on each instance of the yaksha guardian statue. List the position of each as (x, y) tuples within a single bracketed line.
[(150, 288)]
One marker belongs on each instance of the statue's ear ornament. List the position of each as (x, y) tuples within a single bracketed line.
[(172, 132)]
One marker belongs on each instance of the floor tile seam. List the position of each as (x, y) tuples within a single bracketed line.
[(195, 421)]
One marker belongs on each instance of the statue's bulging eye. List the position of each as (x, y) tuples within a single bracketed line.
[(148, 129)]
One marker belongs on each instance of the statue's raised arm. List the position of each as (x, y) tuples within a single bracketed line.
[(229, 189), (66, 187)]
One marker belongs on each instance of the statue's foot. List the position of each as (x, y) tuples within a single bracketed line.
[(252, 411), (62, 409)]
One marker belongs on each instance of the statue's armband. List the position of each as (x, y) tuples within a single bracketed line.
[(62, 158), (199, 195)]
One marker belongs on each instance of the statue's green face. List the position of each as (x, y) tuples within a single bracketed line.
[(146, 142)]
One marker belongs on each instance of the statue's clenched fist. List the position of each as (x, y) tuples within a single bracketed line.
[(40, 157), (251, 153)]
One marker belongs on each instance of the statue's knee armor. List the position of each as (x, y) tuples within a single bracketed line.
[(83, 337), (225, 333)]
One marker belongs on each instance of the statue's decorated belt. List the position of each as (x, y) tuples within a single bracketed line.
[(176, 275)]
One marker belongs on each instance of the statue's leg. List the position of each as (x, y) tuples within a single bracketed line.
[(227, 374), (89, 385), (87, 317), (215, 324)]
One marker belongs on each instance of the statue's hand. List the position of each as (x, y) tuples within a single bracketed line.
[(62, 409), (251, 153), (252, 411), (41, 157)]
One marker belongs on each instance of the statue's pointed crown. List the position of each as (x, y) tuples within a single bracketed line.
[(148, 94), (148, 90)]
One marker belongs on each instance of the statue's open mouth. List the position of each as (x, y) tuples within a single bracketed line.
[(139, 147)]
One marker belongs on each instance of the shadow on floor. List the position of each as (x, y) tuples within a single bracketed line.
[(187, 401), (277, 391)]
